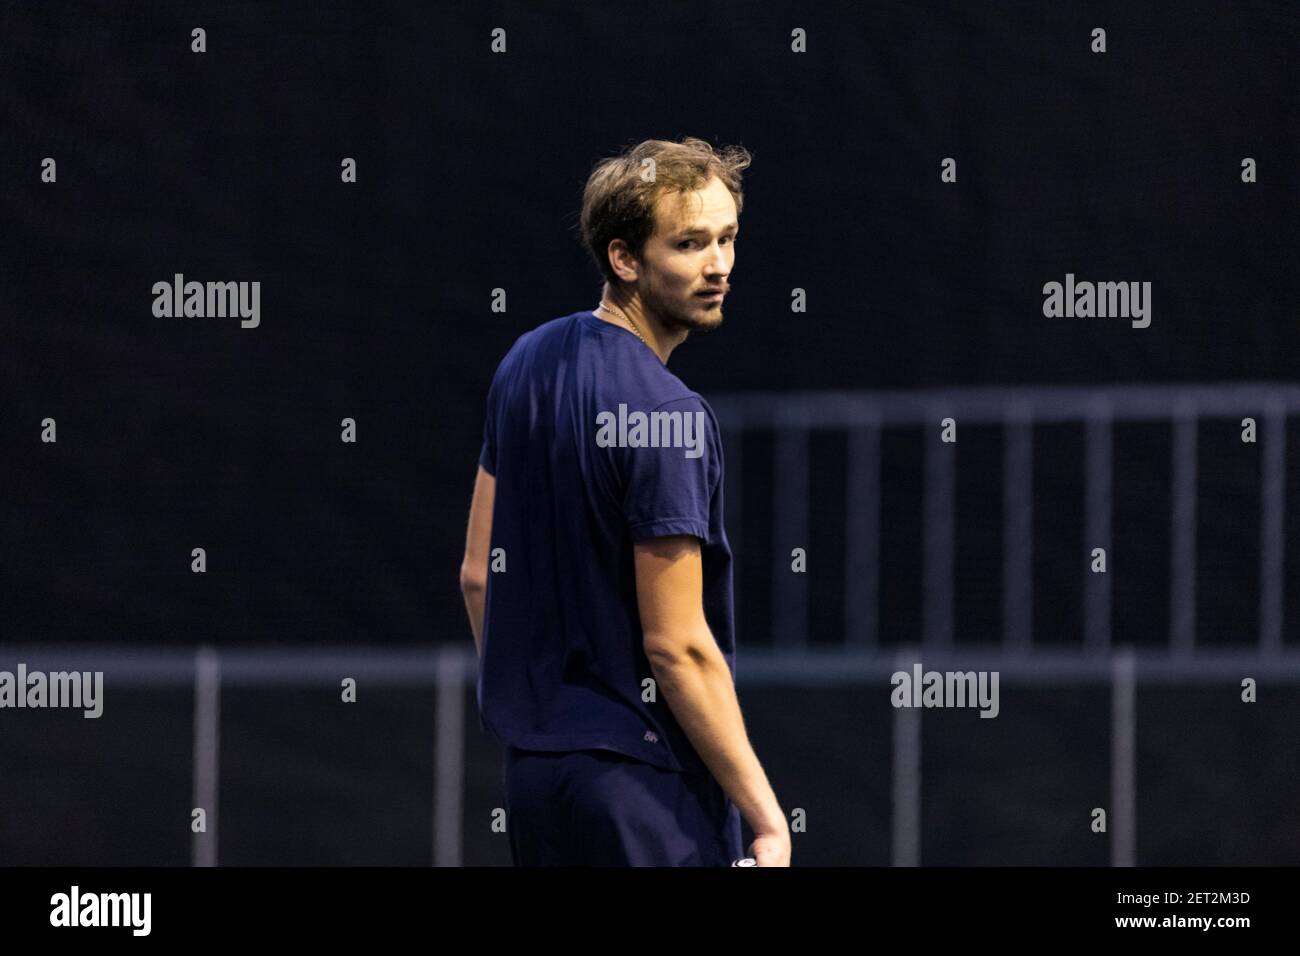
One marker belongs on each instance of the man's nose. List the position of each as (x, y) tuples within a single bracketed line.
[(717, 262)]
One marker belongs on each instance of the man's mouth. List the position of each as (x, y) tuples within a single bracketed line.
[(713, 295)]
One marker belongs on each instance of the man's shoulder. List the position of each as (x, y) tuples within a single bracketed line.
[(683, 400), (547, 329), (536, 338), (687, 400), (559, 324)]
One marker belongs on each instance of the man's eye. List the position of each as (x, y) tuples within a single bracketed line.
[(686, 242)]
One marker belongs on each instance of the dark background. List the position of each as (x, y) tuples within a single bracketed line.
[(186, 432)]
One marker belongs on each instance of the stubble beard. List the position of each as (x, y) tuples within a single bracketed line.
[(700, 319)]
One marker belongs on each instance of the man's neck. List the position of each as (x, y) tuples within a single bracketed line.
[(661, 340)]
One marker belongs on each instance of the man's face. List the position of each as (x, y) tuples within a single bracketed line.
[(691, 252)]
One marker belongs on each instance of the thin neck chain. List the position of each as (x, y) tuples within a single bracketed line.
[(623, 315)]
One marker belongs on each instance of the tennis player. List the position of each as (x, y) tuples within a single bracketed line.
[(597, 573)]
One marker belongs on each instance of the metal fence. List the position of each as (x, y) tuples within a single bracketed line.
[(861, 416), (790, 418)]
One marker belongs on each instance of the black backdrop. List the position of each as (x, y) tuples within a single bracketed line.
[(376, 296), (176, 433)]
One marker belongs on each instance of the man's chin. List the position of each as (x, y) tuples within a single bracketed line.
[(702, 318)]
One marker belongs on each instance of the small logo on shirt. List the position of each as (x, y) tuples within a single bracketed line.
[(651, 736), (656, 430)]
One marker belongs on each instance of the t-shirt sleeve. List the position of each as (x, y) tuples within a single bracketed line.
[(668, 490), (501, 379), (487, 457)]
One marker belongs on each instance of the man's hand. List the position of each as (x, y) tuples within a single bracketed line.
[(771, 849)]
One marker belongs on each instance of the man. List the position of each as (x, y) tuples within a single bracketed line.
[(605, 625)]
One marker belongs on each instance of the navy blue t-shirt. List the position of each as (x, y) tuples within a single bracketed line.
[(594, 445)]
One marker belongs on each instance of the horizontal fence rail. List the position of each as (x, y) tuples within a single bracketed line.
[(310, 667)]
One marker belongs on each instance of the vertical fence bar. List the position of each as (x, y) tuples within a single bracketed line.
[(939, 531), (790, 530), (862, 538), (905, 845), (733, 441), (1096, 608), (207, 743), (1272, 549), (1182, 569), (1018, 530), (1123, 758), (448, 768)]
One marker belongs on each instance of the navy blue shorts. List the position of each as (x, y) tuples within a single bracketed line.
[(601, 808)]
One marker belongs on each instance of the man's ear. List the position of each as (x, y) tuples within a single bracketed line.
[(622, 261)]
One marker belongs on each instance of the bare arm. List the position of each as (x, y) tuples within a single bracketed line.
[(696, 683), (474, 567)]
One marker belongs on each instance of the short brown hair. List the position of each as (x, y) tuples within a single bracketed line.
[(619, 204)]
